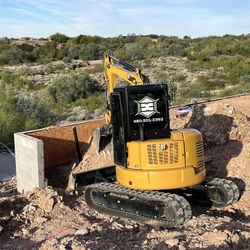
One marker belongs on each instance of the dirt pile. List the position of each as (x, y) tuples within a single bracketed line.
[(218, 123), (97, 156), (55, 219)]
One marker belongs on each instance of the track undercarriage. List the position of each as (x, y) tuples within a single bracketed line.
[(160, 209)]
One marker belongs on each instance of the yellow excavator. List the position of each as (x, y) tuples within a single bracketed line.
[(156, 168)]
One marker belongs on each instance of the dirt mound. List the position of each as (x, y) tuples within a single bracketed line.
[(218, 123), (54, 219), (97, 157)]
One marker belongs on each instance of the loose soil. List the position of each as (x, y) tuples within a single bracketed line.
[(59, 219)]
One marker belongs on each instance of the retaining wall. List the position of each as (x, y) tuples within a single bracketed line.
[(39, 152)]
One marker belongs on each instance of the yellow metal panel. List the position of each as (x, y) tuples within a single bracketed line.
[(176, 135), (171, 163), (158, 179), (194, 148), (156, 154)]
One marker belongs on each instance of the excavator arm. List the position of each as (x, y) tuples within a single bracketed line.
[(115, 68)]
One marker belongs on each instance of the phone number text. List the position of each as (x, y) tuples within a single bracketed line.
[(159, 119)]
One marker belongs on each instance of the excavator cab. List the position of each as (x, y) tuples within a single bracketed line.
[(139, 113)]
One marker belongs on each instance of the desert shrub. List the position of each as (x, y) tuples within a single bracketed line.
[(172, 87), (3, 60), (14, 80), (10, 120), (90, 51), (97, 68), (245, 79), (235, 90), (206, 84), (46, 53), (18, 114), (12, 55), (73, 87), (179, 77), (35, 108), (172, 91), (173, 46), (93, 102), (176, 49), (192, 91), (59, 38), (137, 50), (134, 51), (121, 54)]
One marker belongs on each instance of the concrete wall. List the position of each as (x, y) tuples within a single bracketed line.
[(29, 162), (40, 152)]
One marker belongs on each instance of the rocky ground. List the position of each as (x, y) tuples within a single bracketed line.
[(59, 219)]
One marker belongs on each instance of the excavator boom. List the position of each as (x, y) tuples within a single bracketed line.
[(115, 68)]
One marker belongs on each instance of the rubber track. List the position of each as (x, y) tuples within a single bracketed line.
[(229, 186), (177, 203)]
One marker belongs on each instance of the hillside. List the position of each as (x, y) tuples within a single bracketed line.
[(60, 79)]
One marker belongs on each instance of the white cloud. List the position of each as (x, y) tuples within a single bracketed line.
[(110, 17)]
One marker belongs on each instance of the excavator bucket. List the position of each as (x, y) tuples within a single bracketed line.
[(102, 138), (99, 154)]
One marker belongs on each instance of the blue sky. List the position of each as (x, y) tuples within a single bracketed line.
[(42, 18)]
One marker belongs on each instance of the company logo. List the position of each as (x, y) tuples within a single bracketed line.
[(147, 107)]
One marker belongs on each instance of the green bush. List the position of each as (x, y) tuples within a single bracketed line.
[(73, 87), (12, 55), (59, 38), (14, 80), (239, 89), (90, 51), (245, 79), (179, 77), (134, 51), (97, 68), (35, 108), (15, 118), (46, 53), (206, 84), (93, 102), (192, 91), (130, 47)]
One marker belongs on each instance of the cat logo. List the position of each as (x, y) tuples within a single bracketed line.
[(147, 107)]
